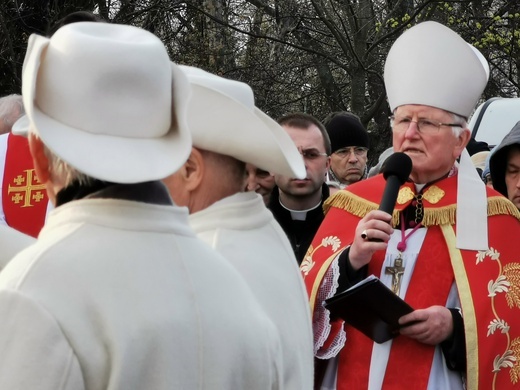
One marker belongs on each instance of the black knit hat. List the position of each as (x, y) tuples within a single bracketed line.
[(345, 129)]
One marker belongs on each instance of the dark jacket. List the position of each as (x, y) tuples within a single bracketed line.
[(498, 159), (300, 233)]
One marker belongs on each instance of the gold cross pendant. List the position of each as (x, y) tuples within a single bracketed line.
[(397, 272)]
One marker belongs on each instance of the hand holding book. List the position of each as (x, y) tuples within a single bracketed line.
[(371, 307)]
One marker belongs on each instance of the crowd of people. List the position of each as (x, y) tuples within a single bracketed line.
[(160, 231)]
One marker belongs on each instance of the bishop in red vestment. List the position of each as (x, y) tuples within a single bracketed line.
[(453, 237)]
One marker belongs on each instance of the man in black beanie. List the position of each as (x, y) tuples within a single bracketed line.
[(349, 142)]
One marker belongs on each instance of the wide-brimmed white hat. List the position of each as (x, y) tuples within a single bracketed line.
[(107, 100), (223, 118), (432, 65)]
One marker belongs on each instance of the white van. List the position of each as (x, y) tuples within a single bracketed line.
[(493, 119)]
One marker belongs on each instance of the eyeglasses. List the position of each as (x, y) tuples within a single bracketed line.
[(357, 150), (311, 154), (424, 126)]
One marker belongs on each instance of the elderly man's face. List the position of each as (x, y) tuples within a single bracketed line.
[(348, 164), (433, 153), (513, 176)]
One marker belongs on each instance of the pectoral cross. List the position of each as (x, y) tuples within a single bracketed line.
[(397, 271)]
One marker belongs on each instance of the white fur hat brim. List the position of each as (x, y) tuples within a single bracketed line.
[(102, 98), (223, 119)]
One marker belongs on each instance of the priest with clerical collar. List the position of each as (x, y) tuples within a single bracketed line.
[(445, 249)]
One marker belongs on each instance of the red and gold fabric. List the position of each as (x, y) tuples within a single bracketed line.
[(24, 198), (488, 284)]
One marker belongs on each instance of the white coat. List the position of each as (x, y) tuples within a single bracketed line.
[(117, 294), (245, 232), (11, 242)]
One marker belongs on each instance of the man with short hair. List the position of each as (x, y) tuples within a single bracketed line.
[(445, 249), (117, 292), (236, 223), (297, 203), (504, 166), (349, 148)]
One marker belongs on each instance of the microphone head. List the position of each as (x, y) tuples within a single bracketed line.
[(399, 165)]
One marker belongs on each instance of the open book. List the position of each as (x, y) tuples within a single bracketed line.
[(371, 307)]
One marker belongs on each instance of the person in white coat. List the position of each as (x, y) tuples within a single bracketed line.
[(117, 292), (11, 242), (229, 131)]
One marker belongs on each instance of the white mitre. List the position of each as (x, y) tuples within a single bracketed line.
[(432, 65)]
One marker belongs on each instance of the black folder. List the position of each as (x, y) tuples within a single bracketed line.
[(370, 307)]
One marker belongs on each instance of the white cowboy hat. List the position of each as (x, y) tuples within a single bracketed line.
[(106, 99), (222, 118)]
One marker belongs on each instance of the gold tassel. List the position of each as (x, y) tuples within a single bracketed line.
[(499, 205), (439, 216), (349, 202), (447, 215), (355, 205)]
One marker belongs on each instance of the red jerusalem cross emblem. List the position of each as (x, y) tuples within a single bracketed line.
[(26, 189)]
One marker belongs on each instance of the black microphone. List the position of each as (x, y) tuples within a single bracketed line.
[(396, 170)]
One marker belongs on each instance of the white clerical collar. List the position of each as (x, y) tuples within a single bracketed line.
[(418, 187), (299, 215)]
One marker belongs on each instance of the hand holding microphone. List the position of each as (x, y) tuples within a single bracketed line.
[(374, 230), (396, 171)]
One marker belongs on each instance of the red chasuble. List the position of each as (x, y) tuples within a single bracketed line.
[(488, 284), (24, 198)]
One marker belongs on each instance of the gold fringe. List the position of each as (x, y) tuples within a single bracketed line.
[(358, 206), (355, 205), (439, 216), (499, 205), (447, 215), (349, 202)]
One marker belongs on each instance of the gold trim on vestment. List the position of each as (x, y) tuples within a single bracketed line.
[(433, 216), (355, 205), (352, 203), (468, 309), (405, 195), (433, 194), (319, 278), (498, 205), (440, 216)]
